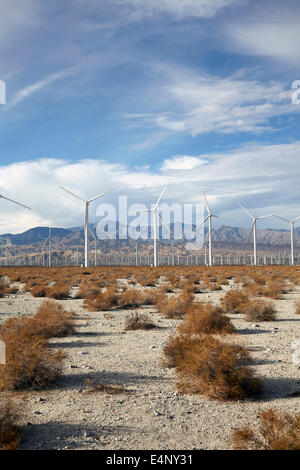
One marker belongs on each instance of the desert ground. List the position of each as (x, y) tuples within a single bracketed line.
[(147, 411)]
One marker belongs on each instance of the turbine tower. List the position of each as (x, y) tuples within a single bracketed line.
[(209, 218), (86, 221), (292, 223), (253, 229), (155, 213)]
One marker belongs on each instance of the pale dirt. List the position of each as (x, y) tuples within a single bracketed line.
[(151, 415)]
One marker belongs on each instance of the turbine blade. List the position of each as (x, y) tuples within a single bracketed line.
[(206, 203), (100, 195), (72, 194), (246, 210), (15, 202), (164, 223), (223, 218), (92, 233), (162, 193), (251, 232), (282, 218), (296, 219), (265, 216), (203, 222)]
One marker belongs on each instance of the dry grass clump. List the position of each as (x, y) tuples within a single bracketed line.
[(297, 307), (233, 300), (102, 300), (259, 310), (93, 387), (10, 432), (51, 321), (215, 369), (204, 318), (29, 363), (138, 321), (174, 350), (58, 291), (277, 431), (176, 306), (39, 291), (131, 298)]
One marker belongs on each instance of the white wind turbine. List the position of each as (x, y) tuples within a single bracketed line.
[(86, 221), (253, 229), (292, 223), (155, 213), (209, 218)]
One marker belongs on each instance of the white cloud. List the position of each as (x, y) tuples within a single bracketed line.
[(27, 91), (179, 8), (265, 178), (197, 104), (278, 39), (182, 162)]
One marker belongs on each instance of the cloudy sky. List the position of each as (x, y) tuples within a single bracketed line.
[(139, 93)]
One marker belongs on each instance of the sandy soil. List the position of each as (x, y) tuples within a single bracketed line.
[(150, 415)]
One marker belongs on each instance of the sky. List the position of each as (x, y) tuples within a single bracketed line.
[(136, 94)]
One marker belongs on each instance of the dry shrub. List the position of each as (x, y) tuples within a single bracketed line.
[(216, 370), (139, 322), (277, 431), (259, 310), (29, 363), (130, 298), (10, 432), (204, 318), (2, 289), (39, 291), (102, 301), (176, 306), (51, 321), (93, 387), (297, 307), (175, 349), (58, 291), (233, 300)]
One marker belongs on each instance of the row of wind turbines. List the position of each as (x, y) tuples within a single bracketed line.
[(155, 211)]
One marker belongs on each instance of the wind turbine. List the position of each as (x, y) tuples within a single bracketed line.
[(209, 218), (154, 210), (253, 229), (86, 221), (292, 223)]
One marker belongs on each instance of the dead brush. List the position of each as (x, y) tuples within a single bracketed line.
[(214, 369), (277, 431), (29, 363), (258, 310), (39, 291), (138, 321), (176, 306), (108, 389), (130, 298), (10, 432), (174, 350), (102, 301), (204, 318), (233, 300), (51, 321), (58, 291), (297, 307)]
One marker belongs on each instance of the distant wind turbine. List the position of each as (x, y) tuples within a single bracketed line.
[(292, 223), (155, 213), (86, 221), (209, 219), (253, 229)]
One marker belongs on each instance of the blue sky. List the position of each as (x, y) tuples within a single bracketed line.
[(139, 93)]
